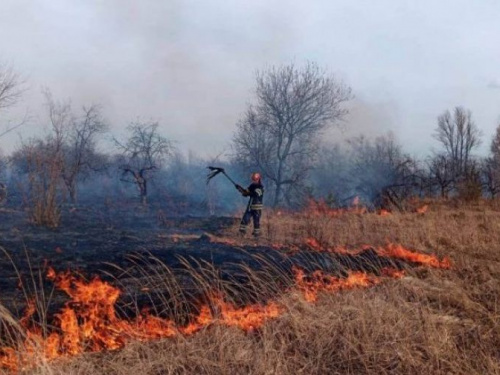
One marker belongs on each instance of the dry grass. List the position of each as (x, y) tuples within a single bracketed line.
[(430, 322)]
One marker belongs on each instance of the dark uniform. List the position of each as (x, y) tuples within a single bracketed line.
[(254, 207)]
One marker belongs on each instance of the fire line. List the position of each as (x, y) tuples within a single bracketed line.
[(88, 322)]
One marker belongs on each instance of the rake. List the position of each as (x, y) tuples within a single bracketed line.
[(214, 171)]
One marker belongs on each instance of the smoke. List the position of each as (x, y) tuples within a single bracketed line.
[(494, 85), (365, 118), (191, 65), (360, 167), (188, 65)]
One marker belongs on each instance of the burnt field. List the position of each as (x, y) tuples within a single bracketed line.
[(86, 240), (326, 291), (118, 245)]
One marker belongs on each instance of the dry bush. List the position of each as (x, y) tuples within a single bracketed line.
[(470, 189), (43, 194)]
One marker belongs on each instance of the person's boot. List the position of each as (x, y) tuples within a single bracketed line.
[(256, 233), (242, 231)]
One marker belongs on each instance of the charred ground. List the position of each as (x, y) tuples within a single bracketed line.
[(429, 320), (117, 245)]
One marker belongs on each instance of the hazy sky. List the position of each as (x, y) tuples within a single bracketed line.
[(191, 64)]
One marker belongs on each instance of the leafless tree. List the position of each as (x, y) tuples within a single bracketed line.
[(459, 136), (10, 92), (490, 176), (76, 136), (382, 172), (442, 174), (495, 145), (278, 135), (143, 153), (11, 89), (80, 156), (490, 167)]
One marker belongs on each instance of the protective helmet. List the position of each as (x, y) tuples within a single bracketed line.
[(255, 177)]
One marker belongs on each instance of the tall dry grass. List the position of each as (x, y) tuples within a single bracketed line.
[(430, 322)]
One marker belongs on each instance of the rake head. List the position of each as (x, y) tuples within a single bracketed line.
[(214, 171)]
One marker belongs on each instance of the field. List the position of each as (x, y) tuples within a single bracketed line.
[(322, 292)]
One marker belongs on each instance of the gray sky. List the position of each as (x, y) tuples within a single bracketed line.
[(191, 64)]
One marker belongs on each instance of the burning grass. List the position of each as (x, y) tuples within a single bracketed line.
[(89, 320), (435, 318)]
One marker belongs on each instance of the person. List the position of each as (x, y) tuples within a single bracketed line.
[(254, 207)]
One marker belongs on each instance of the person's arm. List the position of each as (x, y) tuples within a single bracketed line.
[(242, 190), (255, 191)]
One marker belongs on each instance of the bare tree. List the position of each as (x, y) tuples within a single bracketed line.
[(10, 92), (11, 89), (143, 153), (495, 144), (490, 176), (442, 174), (382, 172), (77, 139), (80, 156), (490, 167), (459, 136), (278, 135)]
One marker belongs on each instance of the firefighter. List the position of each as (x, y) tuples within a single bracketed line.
[(254, 207)]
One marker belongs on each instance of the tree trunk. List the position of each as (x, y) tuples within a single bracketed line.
[(72, 192), (444, 194), (277, 194), (143, 188), (278, 185)]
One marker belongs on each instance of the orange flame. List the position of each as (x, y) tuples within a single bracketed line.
[(398, 251), (320, 207), (313, 243), (8, 359), (383, 212), (422, 210), (318, 282), (391, 250), (89, 322), (247, 318)]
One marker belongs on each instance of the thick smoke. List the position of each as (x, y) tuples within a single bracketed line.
[(190, 66)]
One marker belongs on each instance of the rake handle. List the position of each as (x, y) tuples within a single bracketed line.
[(229, 178)]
